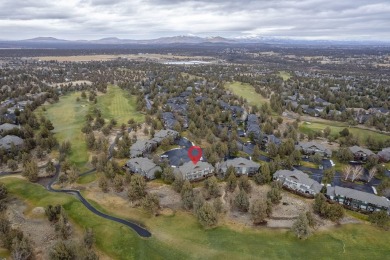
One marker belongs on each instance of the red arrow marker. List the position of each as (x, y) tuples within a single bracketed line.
[(195, 153)]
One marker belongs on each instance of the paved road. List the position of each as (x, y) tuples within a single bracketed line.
[(137, 228), (140, 230)]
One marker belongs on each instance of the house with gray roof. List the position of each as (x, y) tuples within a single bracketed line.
[(7, 127), (298, 181), (8, 117), (252, 126), (8, 141), (194, 172), (169, 120), (384, 155), (360, 153), (144, 167), (241, 165), (142, 147), (267, 139), (163, 134), (311, 148), (357, 200)]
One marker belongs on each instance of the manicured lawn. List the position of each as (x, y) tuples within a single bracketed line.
[(4, 253), (248, 92), (179, 236), (336, 127), (284, 74), (119, 105), (309, 164), (160, 149), (87, 178), (68, 117)]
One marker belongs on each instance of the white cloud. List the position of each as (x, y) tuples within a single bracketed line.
[(91, 19)]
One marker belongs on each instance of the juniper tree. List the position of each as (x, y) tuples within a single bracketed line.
[(231, 181), (207, 216), (301, 227), (187, 195), (259, 211), (151, 203), (264, 176), (137, 188), (241, 201), (244, 184)]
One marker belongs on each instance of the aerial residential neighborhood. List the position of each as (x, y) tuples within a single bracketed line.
[(194, 130)]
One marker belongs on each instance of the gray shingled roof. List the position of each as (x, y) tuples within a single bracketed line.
[(189, 167), (253, 118), (318, 146), (385, 154), (7, 127), (161, 135), (7, 141), (144, 164), (299, 177), (139, 147), (358, 195), (356, 149), (239, 162)]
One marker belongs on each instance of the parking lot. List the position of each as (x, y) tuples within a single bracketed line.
[(178, 156)]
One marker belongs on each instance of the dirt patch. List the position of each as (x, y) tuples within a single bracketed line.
[(37, 228), (168, 197), (73, 83), (38, 211)]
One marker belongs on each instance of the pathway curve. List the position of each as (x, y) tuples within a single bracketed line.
[(137, 228), (140, 230)]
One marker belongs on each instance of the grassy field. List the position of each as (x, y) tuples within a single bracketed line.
[(119, 105), (285, 75), (87, 178), (237, 242), (68, 117), (179, 236), (336, 127), (4, 253), (115, 240), (309, 164), (246, 91)]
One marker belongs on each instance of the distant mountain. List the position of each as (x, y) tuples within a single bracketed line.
[(51, 42), (164, 40), (44, 39)]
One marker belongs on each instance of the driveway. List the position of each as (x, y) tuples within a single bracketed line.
[(317, 174), (178, 156)]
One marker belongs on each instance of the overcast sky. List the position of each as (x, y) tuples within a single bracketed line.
[(136, 19)]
